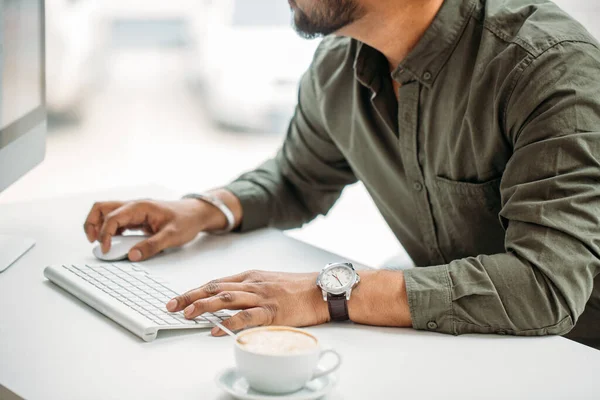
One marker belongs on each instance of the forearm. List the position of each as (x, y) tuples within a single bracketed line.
[(217, 220), (380, 299), (258, 202), (268, 198), (502, 293), (271, 202), (277, 194)]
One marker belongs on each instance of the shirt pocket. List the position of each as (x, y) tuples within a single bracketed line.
[(466, 217)]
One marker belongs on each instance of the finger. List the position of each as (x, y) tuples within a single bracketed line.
[(163, 239), (222, 301), (90, 232), (210, 289), (256, 316), (132, 214), (95, 218)]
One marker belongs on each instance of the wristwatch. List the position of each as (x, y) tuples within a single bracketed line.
[(336, 281)]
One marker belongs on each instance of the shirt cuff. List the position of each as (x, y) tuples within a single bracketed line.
[(255, 204), (429, 291)]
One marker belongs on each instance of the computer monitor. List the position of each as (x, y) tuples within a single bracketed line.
[(22, 103)]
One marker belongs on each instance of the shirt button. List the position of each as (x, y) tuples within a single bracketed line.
[(418, 186), (432, 325), (427, 76)]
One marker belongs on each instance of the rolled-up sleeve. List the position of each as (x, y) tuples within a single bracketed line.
[(303, 180), (550, 209)]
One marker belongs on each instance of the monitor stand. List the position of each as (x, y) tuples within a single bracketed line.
[(12, 248)]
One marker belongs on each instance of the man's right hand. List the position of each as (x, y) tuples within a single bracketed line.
[(170, 223)]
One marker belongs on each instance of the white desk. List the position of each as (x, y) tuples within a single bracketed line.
[(53, 346)]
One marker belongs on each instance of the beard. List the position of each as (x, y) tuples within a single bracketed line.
[(325, 17)]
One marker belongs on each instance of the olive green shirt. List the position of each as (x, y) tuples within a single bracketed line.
[(486, 167)]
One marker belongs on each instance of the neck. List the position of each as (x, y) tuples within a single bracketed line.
[(394, 27)]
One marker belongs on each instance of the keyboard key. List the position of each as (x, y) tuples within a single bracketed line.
[(158, 313), (112, 285), (187, 322)]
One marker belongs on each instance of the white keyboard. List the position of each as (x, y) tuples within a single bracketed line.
[(129, 295)]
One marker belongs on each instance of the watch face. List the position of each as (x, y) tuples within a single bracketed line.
[(337, 279)]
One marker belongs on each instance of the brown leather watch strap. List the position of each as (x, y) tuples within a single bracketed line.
[(338, 307)]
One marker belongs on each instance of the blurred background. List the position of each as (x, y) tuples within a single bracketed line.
[(188, 94)]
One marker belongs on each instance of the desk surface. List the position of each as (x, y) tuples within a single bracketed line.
[(53, 346)]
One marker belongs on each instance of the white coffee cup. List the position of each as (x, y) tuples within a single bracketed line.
[(280, 372)]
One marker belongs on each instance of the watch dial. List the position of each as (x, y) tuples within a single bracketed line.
[(337, 277)]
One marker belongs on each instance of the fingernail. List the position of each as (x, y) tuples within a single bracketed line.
[(135, 255), (214, 331), (189, 310), (172, 304)]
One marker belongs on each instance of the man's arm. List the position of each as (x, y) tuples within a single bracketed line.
[(277, 298), (551, 208)]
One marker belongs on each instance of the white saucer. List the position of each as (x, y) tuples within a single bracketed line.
[(230, 381)]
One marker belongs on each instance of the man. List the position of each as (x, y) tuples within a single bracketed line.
[(474, 125)]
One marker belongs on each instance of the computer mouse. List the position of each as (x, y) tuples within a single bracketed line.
[(119, 248)]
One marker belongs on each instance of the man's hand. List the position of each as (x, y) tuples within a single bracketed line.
[(265, 298), (278, 298), (170, 223)]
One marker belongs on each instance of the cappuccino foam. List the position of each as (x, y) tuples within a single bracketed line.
[(277, 342)]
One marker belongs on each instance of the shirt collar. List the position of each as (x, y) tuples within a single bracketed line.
[(369, 65), (431, 53)]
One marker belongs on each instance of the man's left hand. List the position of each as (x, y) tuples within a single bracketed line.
[(264, 298)]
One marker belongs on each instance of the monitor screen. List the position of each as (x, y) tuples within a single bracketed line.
[(21, 62)]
